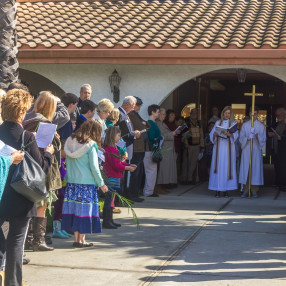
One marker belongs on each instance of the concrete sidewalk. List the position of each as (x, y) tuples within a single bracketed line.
[(186, 238)]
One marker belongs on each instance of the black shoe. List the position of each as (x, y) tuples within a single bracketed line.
[(77, 245), (137, 200), (184, 183), (109, 225), (226, 195), (26, 260), (116, 224), (153, 196), (217, 194)]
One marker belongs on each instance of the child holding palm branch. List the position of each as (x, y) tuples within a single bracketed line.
[(113, 168)]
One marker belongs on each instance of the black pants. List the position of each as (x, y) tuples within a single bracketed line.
[(18, 228), (136, 177)]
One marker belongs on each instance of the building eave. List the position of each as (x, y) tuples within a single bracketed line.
[(154, 56)]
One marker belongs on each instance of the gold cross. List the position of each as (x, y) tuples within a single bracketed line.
[(253, 94)]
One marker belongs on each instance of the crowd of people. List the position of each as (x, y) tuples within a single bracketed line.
[(100, 151)]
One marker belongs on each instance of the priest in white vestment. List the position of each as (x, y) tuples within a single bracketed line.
[(223, 167), (257, 132)]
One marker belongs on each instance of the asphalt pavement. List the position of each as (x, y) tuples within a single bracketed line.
[(187, 237)]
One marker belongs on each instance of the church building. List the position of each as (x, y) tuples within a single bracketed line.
[(176, 53)]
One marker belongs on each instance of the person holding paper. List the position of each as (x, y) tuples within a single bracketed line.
[(154, 136), (14, 207), (39, 121), (128, 134), (167, 174), (258, 134), (223, 166), (83, 178), (113, 168), (140, 145)]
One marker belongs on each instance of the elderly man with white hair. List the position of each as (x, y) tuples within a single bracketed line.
[(126, 126)]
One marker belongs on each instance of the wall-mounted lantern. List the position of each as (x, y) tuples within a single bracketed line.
[(114, 81)]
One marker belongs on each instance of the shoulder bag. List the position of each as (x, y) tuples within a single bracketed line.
[(29, 179), (156, 154)]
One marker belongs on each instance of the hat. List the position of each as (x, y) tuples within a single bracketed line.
[(139, 101)]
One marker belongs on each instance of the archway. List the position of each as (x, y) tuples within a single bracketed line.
[(222, 87), (36, 83)]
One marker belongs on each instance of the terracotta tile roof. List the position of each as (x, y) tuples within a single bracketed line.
[(152, 24)]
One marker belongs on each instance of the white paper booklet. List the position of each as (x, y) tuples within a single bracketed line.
[(6, 150), (101, 157), (45, 134), (120, 144)]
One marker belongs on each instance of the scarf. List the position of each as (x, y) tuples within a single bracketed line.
[(229, 168), (4, 169), (171, 125)]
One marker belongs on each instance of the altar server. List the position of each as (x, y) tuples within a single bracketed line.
[(223, 167), (257, 132)]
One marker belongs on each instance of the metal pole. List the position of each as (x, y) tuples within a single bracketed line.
[(251, 142)]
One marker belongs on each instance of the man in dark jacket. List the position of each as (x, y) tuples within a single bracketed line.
[(139, 147), (127, 132)]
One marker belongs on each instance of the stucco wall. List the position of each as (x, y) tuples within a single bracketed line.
[(152, 83)]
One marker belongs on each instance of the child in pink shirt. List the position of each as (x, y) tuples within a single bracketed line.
[(113, 168)]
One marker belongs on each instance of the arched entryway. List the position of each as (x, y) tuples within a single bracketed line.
[(36, 83), (227, 87)]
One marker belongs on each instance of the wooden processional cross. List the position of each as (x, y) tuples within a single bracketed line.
[(253, 94)]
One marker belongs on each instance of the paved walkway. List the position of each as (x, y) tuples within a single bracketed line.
[(186, 238)]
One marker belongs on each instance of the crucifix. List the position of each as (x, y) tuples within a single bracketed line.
[(253, 94)]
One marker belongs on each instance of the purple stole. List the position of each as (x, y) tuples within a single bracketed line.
[(229, 169)]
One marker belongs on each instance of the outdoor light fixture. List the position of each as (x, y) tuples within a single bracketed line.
[(114, 81), (241, 75)]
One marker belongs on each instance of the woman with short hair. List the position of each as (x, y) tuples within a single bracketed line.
[(104, 108), (14, 207)]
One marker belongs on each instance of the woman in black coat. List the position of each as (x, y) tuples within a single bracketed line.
[(13, 207)]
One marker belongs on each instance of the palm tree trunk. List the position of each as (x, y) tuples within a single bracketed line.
[(8, 43)]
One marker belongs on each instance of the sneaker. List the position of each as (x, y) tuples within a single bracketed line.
[(87, 244)]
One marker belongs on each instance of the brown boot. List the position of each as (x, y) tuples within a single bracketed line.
[(29, 238), (39, 226), (160, 190)]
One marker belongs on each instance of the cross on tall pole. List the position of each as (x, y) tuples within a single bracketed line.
[(253, 94)]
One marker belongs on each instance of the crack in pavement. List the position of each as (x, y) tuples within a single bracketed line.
[(180, 248)]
